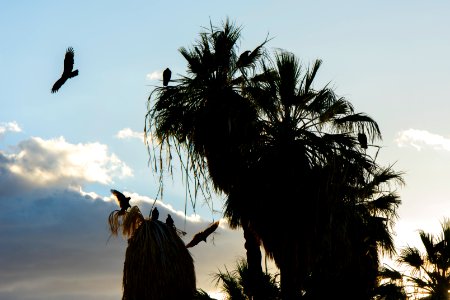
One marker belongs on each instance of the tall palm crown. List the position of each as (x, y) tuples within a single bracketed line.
[(307, 169), (430, 271), (205, 113)]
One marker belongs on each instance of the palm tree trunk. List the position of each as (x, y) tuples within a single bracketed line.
[(288, 283), (252, 246)]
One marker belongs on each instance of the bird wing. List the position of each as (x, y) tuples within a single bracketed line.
[(121, 199), (202, 235), (68, 60), (58, 84), (195, 240)]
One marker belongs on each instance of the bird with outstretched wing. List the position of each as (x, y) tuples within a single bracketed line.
[(202, 235), (124, 202), (67, 72)]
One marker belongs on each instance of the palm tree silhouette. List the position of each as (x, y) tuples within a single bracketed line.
[(430, 271), (286, 155), (235, 283), (157, 263), (206, 114), (308, 141)]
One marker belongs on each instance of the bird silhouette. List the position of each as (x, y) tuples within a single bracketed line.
[(247, 57), (166, 76), (243, 58), (170, 222), (155, 214), (124, 202), (67, 72), (202, 235), (362, 139)]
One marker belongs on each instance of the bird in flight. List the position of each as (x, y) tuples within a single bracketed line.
[(202, 235), (166, 76), (124, 202), (67, 73)]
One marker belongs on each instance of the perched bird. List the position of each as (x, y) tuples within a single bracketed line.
[(244, 58), (67, 73), (124, 202), (202, 235), (170, 222), (362, 139), (166, 76), (155, 214)]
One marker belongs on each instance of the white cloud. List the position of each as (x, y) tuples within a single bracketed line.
[(57, 247), (55, 243), (56, 162), (127, 133), (9, 127), (422, 138), (156, 75)]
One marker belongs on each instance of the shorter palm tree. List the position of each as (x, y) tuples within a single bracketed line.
[(236, 284), (430, 271), (390, 285), (157, 262)]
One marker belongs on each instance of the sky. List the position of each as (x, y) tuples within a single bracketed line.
[(60, 154)]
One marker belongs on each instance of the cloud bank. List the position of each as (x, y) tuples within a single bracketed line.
[(420, 139), (57, 162), (54, 241)]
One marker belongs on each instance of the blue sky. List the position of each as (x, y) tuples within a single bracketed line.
[(389, 59)]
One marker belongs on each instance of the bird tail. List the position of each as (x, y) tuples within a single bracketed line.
[(73, 74)]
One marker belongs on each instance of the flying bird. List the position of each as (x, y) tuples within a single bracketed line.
[(202, 235), (67, 73), (166, 76), (362, 139), (155, 214), (124, 202)]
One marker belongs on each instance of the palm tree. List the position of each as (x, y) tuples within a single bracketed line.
[(308, 147), (286, 155), (390, 285), (235, 284), (358, 230), (206, 116), (157, 263), (430, 271)]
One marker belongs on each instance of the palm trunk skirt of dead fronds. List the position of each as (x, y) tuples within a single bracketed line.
[(157, 264)]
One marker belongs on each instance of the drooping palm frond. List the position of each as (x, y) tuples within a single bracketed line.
[(114, 221), (157, 264), (131, 221)]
